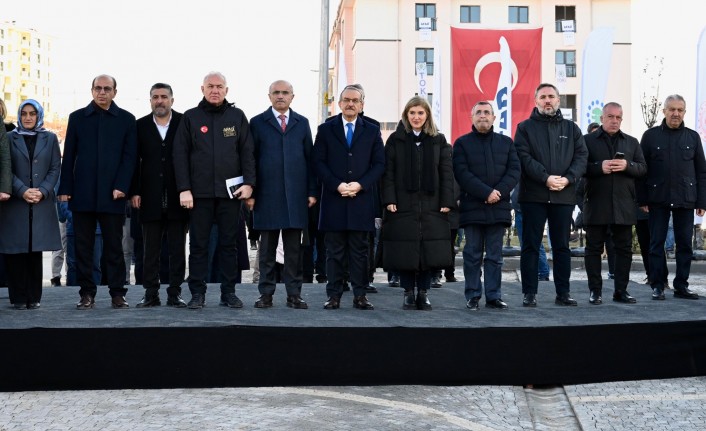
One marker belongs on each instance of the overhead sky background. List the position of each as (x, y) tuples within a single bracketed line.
[(256, 42)]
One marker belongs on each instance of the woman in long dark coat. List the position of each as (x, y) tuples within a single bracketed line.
[(28, 220), (417, 191)]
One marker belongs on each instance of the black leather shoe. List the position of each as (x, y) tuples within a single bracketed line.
[(658, 294), (87, 301), (230, 300), (320, 278), (394, 281), (624, 297), (595, 297), (497, 304), (175, 301), (332, 304), (685, 293), (118, 302), (423, 300), (149, 301), (265, 301), (198, 301), (543, 278), (409, 302), (20, 306), (33, 305), (435, 282), (362, 303), (296, 301), (529, 300), (566, 300), (308, 279), (451, 278), (370, 288), (472, 304), (55, 282)]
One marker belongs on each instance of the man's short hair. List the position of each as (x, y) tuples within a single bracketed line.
[(162, 86), (115, 84), (591, 127), (612, 105), (281, 81), (483, 102), (545, 85), (354, 87), (218, 74), (674, 97)]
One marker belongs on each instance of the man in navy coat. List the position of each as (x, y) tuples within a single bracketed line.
[(286, 189), (349, 158), (100, 154)]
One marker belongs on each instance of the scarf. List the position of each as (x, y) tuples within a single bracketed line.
[(40, 118)]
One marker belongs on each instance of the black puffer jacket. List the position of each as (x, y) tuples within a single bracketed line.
[(676, 170), (610, 198), (549, 145), (213, 144)]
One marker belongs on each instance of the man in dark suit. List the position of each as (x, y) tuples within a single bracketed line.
[(286, 188), (154, 194), (349, 158), (96, 183)]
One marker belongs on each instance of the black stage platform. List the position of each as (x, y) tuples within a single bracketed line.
[(59, 347)]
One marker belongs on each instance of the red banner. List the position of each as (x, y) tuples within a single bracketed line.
[(476, 70)]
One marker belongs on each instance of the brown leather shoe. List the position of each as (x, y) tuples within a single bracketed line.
[(119, 302), (362, 303), (87, 301), (265, 301), (296, 301), (332, 303)]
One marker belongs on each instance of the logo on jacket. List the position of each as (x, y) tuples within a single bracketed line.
[(204, 129), (228, 131)]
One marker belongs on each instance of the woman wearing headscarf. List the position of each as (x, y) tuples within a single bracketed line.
[(28, 220), (418, 192)]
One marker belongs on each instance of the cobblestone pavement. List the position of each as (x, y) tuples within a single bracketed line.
[(644, 405)]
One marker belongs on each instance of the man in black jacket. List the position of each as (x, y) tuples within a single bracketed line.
[(553, 157), (154, 193), (213, 144), (675, 183), (614, 162)]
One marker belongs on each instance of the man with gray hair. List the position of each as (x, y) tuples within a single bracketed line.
[(614, 162), (213, 145), (675, 184)]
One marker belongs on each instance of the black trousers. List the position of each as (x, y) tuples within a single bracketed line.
[(558, 217), (292, 271), (226, 214), (642, 229), (152, 234), (85, 235), (597, 237), (683, 220), (24, 277), (352, 245)]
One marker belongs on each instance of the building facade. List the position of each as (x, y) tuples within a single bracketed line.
[(382, 42), (25, 67)]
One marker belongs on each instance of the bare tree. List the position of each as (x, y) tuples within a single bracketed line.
[(649, 101)]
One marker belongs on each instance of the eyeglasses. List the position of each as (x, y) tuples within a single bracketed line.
[(99, 89), (347, 101), (283, 93)]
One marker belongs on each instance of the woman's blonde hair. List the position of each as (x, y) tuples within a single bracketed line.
[(429, 127), (3, 110)]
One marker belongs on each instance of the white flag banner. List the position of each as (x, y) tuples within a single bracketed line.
[(342, 73), (701, 87), (422, 79), (594, 75), (436, 97), (503, 97)]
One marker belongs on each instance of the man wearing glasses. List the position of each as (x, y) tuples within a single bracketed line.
[(349, 159), (100, 154)]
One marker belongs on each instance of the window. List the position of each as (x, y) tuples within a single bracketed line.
[(39, 43), (569, 59), (568, 104), (470, 14), (564, 13), (39, 74), (425, 10), (39, 58), (518, 14), (425, 55)]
